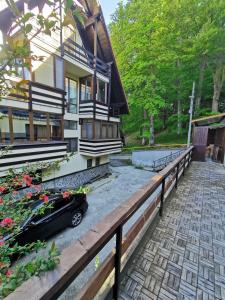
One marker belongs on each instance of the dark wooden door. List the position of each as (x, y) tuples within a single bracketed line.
[(200, 137)]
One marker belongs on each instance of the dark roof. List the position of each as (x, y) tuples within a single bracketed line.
[(209, 120), (105, 51)]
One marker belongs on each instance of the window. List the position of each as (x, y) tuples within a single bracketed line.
[(110, 131), (21, 70), (59, 73), (115, 131), (97, 129), (72, 144), (85, 89), (4, 126), (87, 130), (104, 130), (97, 161), (20, 120), (55, 127), (71, 95), (70, 125), (102, 91), (89, 163), (40, 126)]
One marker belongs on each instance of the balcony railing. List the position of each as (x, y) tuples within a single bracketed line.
[(17, 155), (100, 147), (84, 56), (90, 107), (41, 97)]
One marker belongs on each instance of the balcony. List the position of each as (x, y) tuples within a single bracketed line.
[(37, 96), (80, 54), (100, 147), (90, 109), (17, 155)]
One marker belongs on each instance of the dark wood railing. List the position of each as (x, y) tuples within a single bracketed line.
[(32, 92), (84, 56), (76, 257)]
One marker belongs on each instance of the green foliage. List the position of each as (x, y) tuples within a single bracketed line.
[(163, 46), (23, 272)]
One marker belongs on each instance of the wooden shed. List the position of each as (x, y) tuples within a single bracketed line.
[(209, 138)]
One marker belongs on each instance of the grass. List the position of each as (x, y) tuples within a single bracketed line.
[(171, 138), (163, 140)]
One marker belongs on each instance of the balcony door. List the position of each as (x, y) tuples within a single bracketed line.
[(72, 95)]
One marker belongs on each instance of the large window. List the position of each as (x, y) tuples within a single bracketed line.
[(87, 129), (55, 123), (99, 130), (72, 144), (22, 70), (71, 95), (4, 126), (40, 127), (70, 125), (19, 126), (20, 120), (101, 91), (85, 89), (59, 73)]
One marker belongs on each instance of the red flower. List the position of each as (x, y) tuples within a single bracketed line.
[(2, 243), (8, 273), (27, 180), (1, 201), (66, 195), (44, 198), (29, 195), (2, 189), (6, 222)]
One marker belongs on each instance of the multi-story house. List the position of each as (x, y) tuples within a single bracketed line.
[(71, 100)]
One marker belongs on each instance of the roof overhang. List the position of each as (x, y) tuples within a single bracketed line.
[(105, 52), (209, 120)]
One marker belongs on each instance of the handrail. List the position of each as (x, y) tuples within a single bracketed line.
[(163, 161), (76, 257), (102, 67)]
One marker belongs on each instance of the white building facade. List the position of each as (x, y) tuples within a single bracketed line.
[(70, 101)]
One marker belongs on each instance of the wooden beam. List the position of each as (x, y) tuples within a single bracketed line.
[(91, 21)]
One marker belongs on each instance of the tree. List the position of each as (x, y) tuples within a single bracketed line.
[(163, 46)]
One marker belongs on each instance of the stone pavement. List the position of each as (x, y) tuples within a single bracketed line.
[(183, 255)]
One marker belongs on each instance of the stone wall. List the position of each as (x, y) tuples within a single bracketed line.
[(78, 179)]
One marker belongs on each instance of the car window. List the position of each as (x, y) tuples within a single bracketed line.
[(38, 217), (60, 203)]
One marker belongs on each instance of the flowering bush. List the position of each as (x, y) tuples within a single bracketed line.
[(14, 209)]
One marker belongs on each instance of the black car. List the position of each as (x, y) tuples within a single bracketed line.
[(61, 213)]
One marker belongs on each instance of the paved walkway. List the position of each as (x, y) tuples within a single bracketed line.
[(183, 257)]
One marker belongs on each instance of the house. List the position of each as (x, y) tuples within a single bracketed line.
[(209, 138), (71, 100)]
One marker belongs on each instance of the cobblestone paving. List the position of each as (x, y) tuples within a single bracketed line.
[(184, 256)]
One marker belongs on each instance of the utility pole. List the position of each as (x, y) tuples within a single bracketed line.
[(191, 114)]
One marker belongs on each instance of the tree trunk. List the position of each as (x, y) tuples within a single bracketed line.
[(179, 110), (200, 83), (218, 80), (143, 142), (152, 134)]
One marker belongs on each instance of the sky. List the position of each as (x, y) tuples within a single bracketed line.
[(108, 7)]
